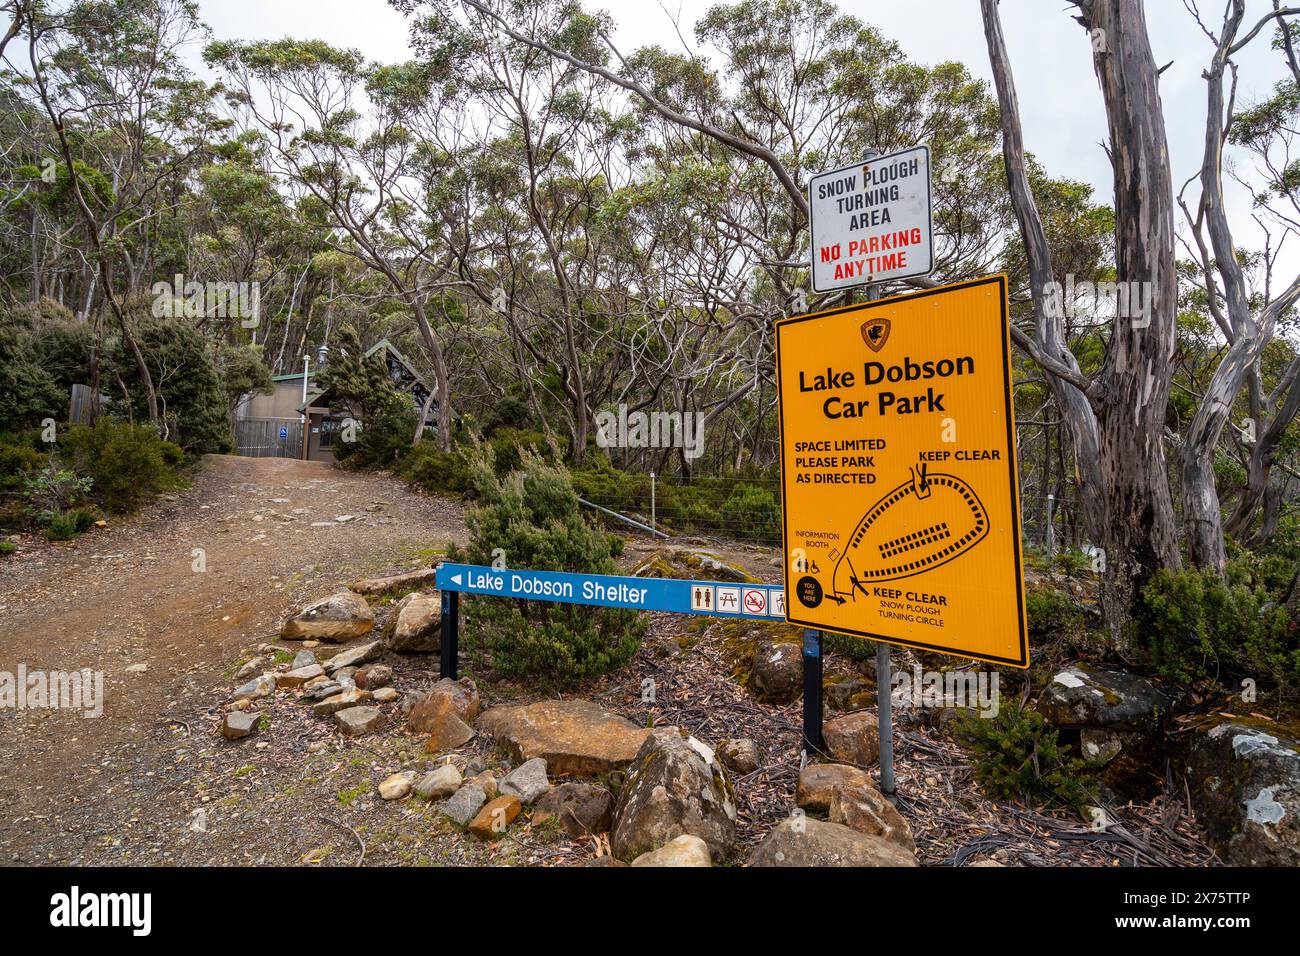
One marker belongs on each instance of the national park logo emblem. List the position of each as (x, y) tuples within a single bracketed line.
[(875, 332)]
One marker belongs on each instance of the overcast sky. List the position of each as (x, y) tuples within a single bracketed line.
[(1061, 105)]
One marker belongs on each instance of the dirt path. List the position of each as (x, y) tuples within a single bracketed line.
[(131, 594)]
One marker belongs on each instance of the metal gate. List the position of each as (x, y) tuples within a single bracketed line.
[(268, 437)]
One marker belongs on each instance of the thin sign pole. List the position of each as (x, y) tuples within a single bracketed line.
[(812, 693), (884, 682)]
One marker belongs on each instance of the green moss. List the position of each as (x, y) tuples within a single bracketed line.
[(347, 797)]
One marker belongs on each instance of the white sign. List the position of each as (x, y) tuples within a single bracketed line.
[(872, 221)]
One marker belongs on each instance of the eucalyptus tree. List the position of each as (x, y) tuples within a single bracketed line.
[(126, 120), (336, 133)]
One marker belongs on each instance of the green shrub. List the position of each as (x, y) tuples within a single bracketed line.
[(755, 511), (1019, 755), (532, 519), (1197, 626), (18, 462), (432, 470), (55, 488), (384, 437), (128, 464), (1053, 613), (65, 525)]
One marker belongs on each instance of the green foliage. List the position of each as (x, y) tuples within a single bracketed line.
[(1019, 755), (128, 464), (28, 393), (66, 525), (1197, 626), (7, 548), (755, 508), (532, 519), (190, 390), (361, 387), (54, 488), (1052, 613), (434, 471)]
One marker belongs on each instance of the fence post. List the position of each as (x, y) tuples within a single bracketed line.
[(1051, 531), (653, 525), (450, 634), (885, 718), (812, 692)]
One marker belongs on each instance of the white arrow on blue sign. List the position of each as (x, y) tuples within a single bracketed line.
[(713, 598)]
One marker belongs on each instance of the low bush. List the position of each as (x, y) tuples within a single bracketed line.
[(434, 471), (1053, 613), (531, 518), (1198, 626), (127, 464), (65, 525), (1019, 755)]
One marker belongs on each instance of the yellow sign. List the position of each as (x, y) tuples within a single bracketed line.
[(900, 499)]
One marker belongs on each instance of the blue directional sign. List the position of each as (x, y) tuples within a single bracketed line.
[(714, 598), (284, 432)]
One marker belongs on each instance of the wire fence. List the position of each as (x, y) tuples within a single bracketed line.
[(749, 509)]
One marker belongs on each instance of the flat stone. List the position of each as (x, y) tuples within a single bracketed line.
[(440, 783), (299, 677), (341, 701), (577, 738), (374, 676), (394, 582), (818, 780), (240, 723), (685, 850), (397, 786), (491, 822), (465, 804), (303, 659), (488, 782), (804, 841), (337, 618), (353, 656), (527, 781), (251, 669), (582, 809), (318, 692), (385, 695), (255, 689), (356, 721)]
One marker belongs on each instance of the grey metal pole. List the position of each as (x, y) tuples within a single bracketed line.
[(884, 682), (885, 718), (653, 522), (813, 741)]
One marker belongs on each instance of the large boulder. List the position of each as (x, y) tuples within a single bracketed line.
[(803, 841), (582, 809), (415, 626), (353, 657), (337, 618), (777, 677), (1245, 785), (577, 738), (1115, 719), (675, 785)]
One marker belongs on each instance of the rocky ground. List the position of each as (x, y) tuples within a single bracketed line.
[(330, 741)]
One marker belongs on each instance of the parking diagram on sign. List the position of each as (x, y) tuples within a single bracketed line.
[(755, 600)]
